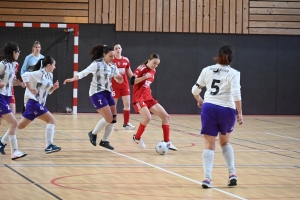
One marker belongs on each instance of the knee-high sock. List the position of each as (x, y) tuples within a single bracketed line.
[(229, 158), (107, 131), (101, 124), (166, 131), (13, 143), (208, 160), (49, 134), (126, 115), (140, 131), (5, 137)]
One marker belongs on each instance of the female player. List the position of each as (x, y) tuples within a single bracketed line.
[(221, 99), (39, 84), (103, 69), (32, 58), (143, 102), (122, 90), (8, 62)]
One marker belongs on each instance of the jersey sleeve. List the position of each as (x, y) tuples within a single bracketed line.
[(29, 75), (236, 87), (24, 66), (116, 72), (201, 81), (91, 69), (137, 72), (128, 63)]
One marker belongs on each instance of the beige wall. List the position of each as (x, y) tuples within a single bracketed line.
[(192, 16)]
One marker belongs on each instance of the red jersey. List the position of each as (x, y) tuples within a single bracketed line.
[(122, 64), (142, 91), (16, 71)]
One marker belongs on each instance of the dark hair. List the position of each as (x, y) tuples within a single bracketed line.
[(152, 56), (98, 51), (8, 51), (225, 55), (43, 61), (114, 44)]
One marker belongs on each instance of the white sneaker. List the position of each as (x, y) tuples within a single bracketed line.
[(171, 146), (18, 154), (139, 142), (128, 126), (206, 183)]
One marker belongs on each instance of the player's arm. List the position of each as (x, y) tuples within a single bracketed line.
[(118, 77), (91, 69), (197, 88), (29, 75), (55, 86), (236, 93)]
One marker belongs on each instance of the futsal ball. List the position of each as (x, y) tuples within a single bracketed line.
[(162, 148)]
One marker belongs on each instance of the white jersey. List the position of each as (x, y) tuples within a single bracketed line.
[(222, 84), (40, 80), (7, 75), (102, 74)]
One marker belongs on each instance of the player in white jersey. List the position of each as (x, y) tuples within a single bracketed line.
[(8, 62), (103, 70), (39, 84), (221, 100)]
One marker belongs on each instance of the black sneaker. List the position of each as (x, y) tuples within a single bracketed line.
[(106, 144), (52, 148), (2, 147), (93, 138), (232, 180)]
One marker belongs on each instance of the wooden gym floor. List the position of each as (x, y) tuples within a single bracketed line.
[(267, 157)]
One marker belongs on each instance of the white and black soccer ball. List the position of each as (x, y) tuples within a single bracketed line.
[(162, 148)]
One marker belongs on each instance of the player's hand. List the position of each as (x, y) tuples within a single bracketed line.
[(68, 80), (200, 103), (239, 119), (119, 78), (148, 75), (56, 85), (2, 84)]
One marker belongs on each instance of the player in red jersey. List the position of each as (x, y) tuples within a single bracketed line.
[(143, 102), (122, 90)]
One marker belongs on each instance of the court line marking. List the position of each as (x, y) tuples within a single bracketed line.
[(23, 176), (282, 136), (175, 174)]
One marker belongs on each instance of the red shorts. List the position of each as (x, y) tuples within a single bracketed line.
[(138, 105), (120, 93), (12, 98)]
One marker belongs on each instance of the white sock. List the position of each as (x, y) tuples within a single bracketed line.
[(49, 134), (13, 143), (107, 131), (208, 159), (5, 137), (101, 124), (229, 158)]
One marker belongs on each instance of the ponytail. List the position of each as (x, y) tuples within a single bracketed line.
[(43, 62), (97, 51), (225, 55), (152, 56)]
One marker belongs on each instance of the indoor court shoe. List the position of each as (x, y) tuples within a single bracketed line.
[(93, 138), (171, 146), (18, 154), (232, 180), (2, 147), (206, 183), (52, 148), (106, 144), (128, 126), (139, 142)]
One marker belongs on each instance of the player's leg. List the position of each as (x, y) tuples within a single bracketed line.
[(226, 124), (209, 131), (126, 113), (158, 110), (141, 107), (49, 133), (15, 153)]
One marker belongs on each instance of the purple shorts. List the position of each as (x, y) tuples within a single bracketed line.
[(102, 99), (4, 104), (33, 110), (217, 119)]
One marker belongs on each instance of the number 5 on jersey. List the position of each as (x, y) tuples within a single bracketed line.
[(215, 86)]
